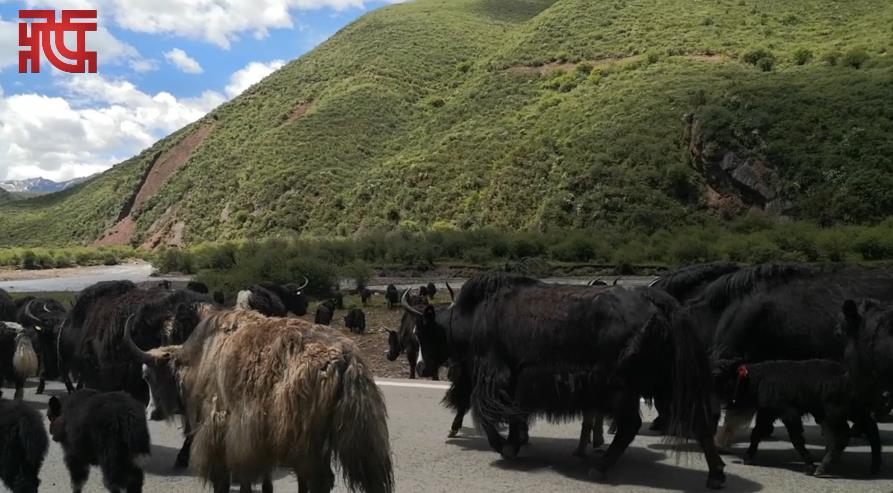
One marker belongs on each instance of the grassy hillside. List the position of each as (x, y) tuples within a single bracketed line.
[(526, 113)]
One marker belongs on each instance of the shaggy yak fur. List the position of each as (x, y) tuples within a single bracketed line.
[(18, 358), (789, 390), (564, 351), (106, 430), (45, 316), (267, 392), (23, 446)]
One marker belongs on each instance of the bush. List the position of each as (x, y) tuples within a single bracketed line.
[(832, 57), (855, 58), (875, 246), (761, 58), (359, 272), (802, 56)]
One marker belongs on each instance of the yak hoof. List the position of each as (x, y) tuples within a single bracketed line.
[(182, 462), (716, 482), (510, 450), (597, 474), (452, 433), (809, 469), (748, 460), (820, 471)]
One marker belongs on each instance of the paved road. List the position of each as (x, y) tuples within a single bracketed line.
[(83, 277), (428, 462)]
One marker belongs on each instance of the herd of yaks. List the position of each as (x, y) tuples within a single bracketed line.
[(257, 390)]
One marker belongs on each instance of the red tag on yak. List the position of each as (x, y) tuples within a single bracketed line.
[(742, 372)]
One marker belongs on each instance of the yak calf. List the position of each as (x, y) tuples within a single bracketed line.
[(23, 446), (104, 429), (788, 390)]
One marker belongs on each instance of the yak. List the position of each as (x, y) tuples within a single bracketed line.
[(392, 296), (779, 311), (23, 446), (7, 307), (562, 351), (18, 357), (92, 334), (324, 313), (404, 339), (355, 320), (430, 290), (108, 430), (788, 390), (275, 300), (868, 327), (263, 392), (198, 287), (365, 294), (45, 317)]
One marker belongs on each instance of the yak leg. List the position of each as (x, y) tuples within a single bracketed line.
[(182, 460), (413, 358), (457, 422), (598, 430), (586, 431), (716, 477), (662, 420), (518, 432), (79, 471), (836, 433), (267, 484), (302, 485), (794, 425), (735, 418), (869, 425), (135, 482), (245, 486), (628, 422), (20, 388), (763, 418)]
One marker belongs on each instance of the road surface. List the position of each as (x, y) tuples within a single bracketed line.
[(79, 278), (426, 461)]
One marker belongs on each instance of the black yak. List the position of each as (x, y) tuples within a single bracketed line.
[(779, 312), (18, 356), (91, 336), (365, 294), (23, 446), (45, 317), (108, 430), (198, 287), (7, 307), (430, 290), (280, 392), (560, 351), (275, 300), (324, 313), (392, 296), (789, 390), (355, 320)]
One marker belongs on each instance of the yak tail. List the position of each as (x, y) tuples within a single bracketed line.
[(25, 359), (690, 410), (360, 432)]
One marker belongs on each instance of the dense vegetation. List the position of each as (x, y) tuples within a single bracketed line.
[(57, 258), (529, 115), (752, 238)]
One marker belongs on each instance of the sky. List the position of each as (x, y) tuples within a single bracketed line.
[(161, 65)]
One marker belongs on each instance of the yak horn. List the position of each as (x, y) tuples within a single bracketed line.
[(28, 311), (407, 306), (452, 295), (306, 282), (617, 281), (131, 347), (655, 281)]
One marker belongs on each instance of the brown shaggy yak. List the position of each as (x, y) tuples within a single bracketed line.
[(264, 392)]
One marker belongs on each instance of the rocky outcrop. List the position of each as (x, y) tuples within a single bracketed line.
[(736, 179)]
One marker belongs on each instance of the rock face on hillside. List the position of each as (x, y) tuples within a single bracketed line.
[(736, 181)]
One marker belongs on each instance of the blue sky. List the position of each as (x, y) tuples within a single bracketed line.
[(162, 64)]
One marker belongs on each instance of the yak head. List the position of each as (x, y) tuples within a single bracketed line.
[(868, 326), (432, 337), (296, 300), (160, 372)]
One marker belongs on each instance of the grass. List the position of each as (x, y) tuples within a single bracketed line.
[(420, 120), (62, 257)]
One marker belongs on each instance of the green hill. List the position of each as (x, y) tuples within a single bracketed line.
[(521, 114)]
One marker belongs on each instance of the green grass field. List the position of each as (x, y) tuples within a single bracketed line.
[(432, 114)]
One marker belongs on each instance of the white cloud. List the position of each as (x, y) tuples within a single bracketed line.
[(100, 123), (183, 61), (9, 42), (249, 75)]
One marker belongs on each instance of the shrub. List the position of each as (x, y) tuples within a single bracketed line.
[(855, 58), (760, 57), (832, 57), (802, 56), (875, 246), (359, 272)]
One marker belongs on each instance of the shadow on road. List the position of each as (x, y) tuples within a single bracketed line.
[(639, 465)]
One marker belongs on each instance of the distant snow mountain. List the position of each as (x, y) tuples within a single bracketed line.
[(38, 185)]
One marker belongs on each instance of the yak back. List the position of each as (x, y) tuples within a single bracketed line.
[(687, 282), (807, 384)]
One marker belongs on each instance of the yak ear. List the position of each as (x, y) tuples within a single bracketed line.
[(852, 317), (55, 406)]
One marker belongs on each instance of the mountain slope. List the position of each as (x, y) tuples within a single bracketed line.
[(522, 113), (38, 185)]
